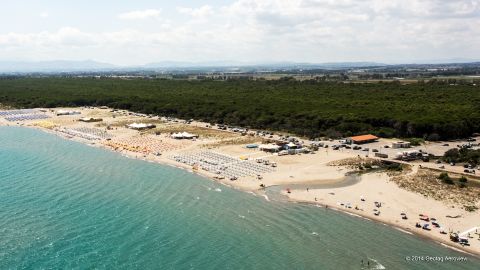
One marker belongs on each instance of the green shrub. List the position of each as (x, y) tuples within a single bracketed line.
[(463, 179), (470, 208), (415, 141), (445, 178), (394, 167)]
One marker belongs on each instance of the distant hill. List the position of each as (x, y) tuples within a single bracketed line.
[(59, 66), (278, 65), (180, 64)]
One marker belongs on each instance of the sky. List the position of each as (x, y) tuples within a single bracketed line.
[(135, 32)]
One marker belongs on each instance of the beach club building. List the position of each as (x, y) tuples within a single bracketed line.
[(362, 139), (65, 112), (397, 145), (90, 119)]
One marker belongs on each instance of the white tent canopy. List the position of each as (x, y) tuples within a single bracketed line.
[(140, 126), (183, 135), (269, 147)]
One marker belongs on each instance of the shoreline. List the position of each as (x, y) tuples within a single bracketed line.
[(386, 223), (262, 192), (163, 160)]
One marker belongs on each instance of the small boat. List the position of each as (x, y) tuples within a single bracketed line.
[(418, 225), (426, 227)]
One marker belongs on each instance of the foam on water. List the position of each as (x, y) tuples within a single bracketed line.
[(68, 206)]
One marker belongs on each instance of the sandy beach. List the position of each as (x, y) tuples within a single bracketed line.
[(315, 169), (360, 199)]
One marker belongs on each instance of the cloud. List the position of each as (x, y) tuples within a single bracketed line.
[(201, 12), (273, 30), (64, 37), (44, 15), (140, 14)]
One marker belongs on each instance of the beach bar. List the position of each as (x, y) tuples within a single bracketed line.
[(90, 119), (397, 145), (369, 138)]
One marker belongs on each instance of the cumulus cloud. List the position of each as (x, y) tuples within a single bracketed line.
[(140, 14), (275, 30), (201, 12)]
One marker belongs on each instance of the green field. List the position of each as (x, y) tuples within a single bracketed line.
[(427, 110)]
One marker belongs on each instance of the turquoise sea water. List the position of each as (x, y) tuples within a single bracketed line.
[(65, 205)]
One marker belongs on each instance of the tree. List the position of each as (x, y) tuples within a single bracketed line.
[(452, 155)]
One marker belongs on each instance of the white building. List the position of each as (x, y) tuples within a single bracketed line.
[(401, 145), (64, 112)]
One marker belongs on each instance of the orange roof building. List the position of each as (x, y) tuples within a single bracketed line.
[(362, 139)]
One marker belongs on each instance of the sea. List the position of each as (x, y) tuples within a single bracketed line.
[(67, 205)]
